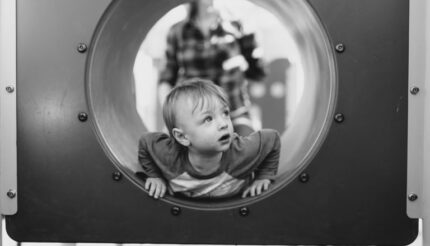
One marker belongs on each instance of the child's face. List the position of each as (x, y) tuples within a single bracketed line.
[(207, 127)]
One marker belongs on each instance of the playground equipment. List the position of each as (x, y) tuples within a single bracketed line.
[(69, 173)]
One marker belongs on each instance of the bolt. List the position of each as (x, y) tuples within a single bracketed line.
[(116, 176), (244, 211), (340, 48), (304, 177), (11, 193), (82, 116), (10, 88), (412, 197), (339, 118), (175, 210), (414, 90), (82, 47)]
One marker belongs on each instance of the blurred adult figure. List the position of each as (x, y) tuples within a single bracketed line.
[(207, 46)]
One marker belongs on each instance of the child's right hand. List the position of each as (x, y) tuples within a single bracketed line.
[(156, 187), (257, 187)]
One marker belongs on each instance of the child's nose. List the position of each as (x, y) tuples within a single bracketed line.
[(222, 123)]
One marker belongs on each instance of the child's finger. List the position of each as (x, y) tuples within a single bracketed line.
[(245, 193), (159, 190), (152, 190), (258, 189), (163, 190), (266, 185), (253, 191), (147, 183)]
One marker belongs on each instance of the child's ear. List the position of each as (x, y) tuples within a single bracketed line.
[(179, 135)]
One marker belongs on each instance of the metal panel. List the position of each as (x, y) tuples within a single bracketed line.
[(8, 152), (418, 108), (418, 191), (357, 186)]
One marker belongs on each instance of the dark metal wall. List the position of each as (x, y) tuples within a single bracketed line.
[(356, 192)]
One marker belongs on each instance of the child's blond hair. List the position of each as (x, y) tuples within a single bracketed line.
[(201, 91)]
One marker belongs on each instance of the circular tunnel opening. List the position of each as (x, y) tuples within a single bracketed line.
[(123, 65)]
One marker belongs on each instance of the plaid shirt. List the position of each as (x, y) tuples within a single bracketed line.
[(220, 57)]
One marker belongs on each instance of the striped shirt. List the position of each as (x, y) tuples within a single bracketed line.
[(253, 157)]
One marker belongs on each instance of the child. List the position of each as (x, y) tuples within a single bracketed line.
[(203, 157)]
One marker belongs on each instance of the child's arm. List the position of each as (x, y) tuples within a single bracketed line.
[(268, 167), (145, 157), (259, 154), (266, 171), (156, 187), (155, 183), (257, 187)]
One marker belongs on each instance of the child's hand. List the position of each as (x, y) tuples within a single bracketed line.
[(156, 187), (257, 187)]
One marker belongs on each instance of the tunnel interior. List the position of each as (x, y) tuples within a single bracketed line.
[(112, 94)]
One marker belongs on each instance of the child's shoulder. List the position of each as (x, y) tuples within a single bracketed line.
[(260, 136), (253, 143), (269, 132), (155, 138), (159, 144), (271, 137), (248, 151)]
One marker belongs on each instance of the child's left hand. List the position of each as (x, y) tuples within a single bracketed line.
[(257, 187)]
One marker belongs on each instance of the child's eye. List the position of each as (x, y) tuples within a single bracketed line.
[(208, 119), (226, 113)]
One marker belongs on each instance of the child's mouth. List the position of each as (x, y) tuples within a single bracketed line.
[(224, 138)]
